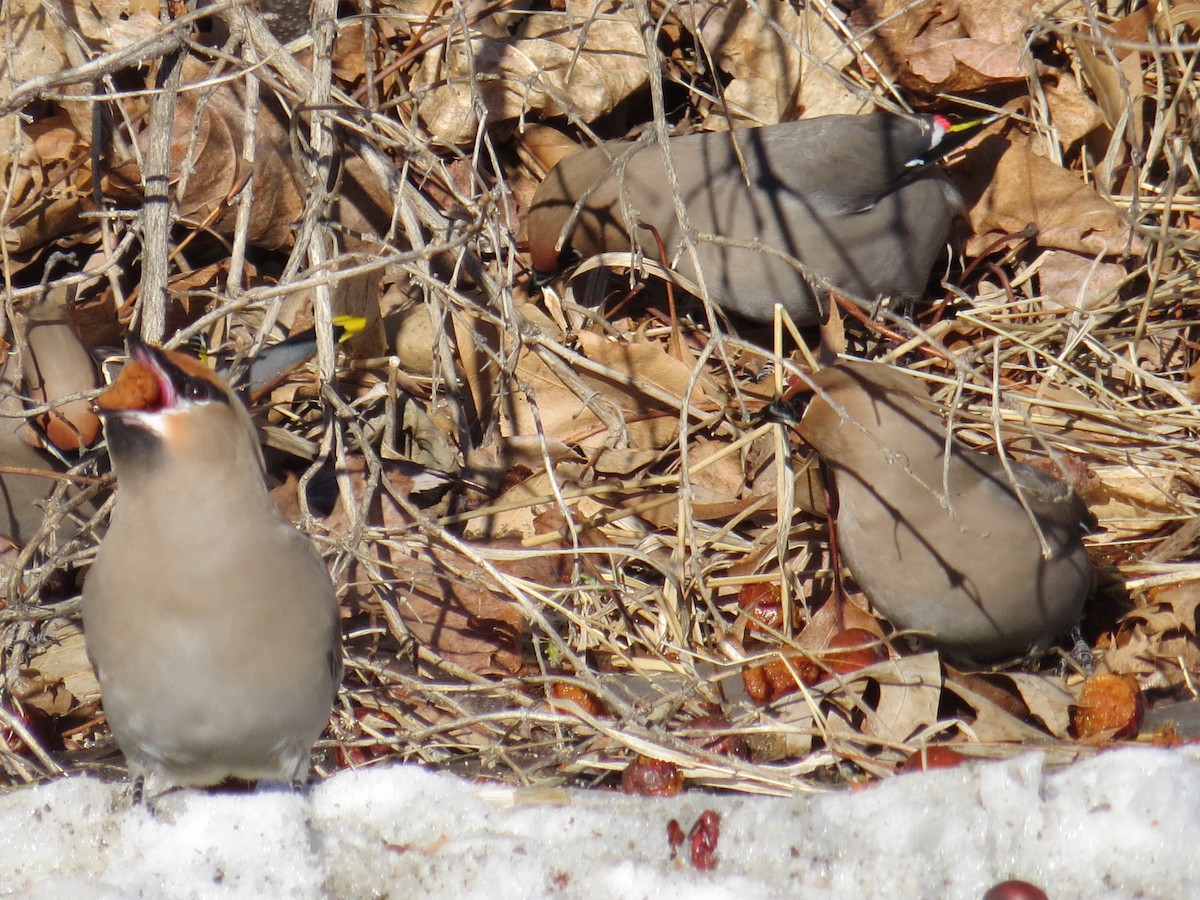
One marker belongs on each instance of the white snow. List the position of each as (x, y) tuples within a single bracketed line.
[(1121, 824)]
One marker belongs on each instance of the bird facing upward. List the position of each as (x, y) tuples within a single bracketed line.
[(853, 199), (212, 623), (934, 532)]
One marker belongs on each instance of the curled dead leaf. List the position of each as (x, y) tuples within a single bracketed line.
[(1009, 187), (549, 65)]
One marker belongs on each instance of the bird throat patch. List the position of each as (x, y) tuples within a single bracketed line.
[(130, 439)]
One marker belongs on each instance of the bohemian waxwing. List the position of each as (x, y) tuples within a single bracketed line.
[(56, 365), (934, 533), (855, 199), (211, 622), (268, 369), (46, 363), (25, 499)]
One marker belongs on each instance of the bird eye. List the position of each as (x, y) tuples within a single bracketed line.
[(197, 390)]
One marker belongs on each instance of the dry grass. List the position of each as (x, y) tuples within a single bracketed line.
[(646, 623)]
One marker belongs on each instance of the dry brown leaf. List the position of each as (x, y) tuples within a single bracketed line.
[(452, 608), (1046, 696), (476, 346), (824, 624), (516, 454), (939, 47), (960, 65), (1010, 187), (762, 476), (186, 288), (1193, 385), (971, 48), (1115, 88), (717, 482), (1000, 21), (551, 66), (445, 601), (116, 23), (781, 61), (1165, 351), (1129, 498), (546, 406), (32, 48), (568, 419), (46, 170), (888, 28), (1183, 599), (621, 461), (992, 722), (1073, 114), (1171, 16), (1077, 282), (1153, 644), (59, 677), (641, 361), (207, 143), (1113, 71), (910, 689), (219, 171)]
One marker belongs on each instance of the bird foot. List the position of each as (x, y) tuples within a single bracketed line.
[(1080, 656)]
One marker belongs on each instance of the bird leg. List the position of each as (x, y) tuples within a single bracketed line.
[(1080, 655), (675, 341), (829, 489), (616, 308), (851, 308)]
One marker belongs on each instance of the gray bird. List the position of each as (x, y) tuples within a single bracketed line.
[(935, 534), (57, 365), (47, 363), (855, 200), (212, 623), (25, 499)]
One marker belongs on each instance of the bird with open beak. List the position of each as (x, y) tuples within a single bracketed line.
[(211, 622)]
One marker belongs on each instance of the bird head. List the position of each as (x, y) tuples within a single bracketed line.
[(945, 137), (167, 410)]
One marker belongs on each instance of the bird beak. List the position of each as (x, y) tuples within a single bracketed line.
[(954, 136), (149, 381), (140, 386)]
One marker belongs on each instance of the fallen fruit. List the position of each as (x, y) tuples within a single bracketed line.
[(647, 777), (934, 756), (1110, 707), (703, 840)]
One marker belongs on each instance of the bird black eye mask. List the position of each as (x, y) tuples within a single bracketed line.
[(177, 377)]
